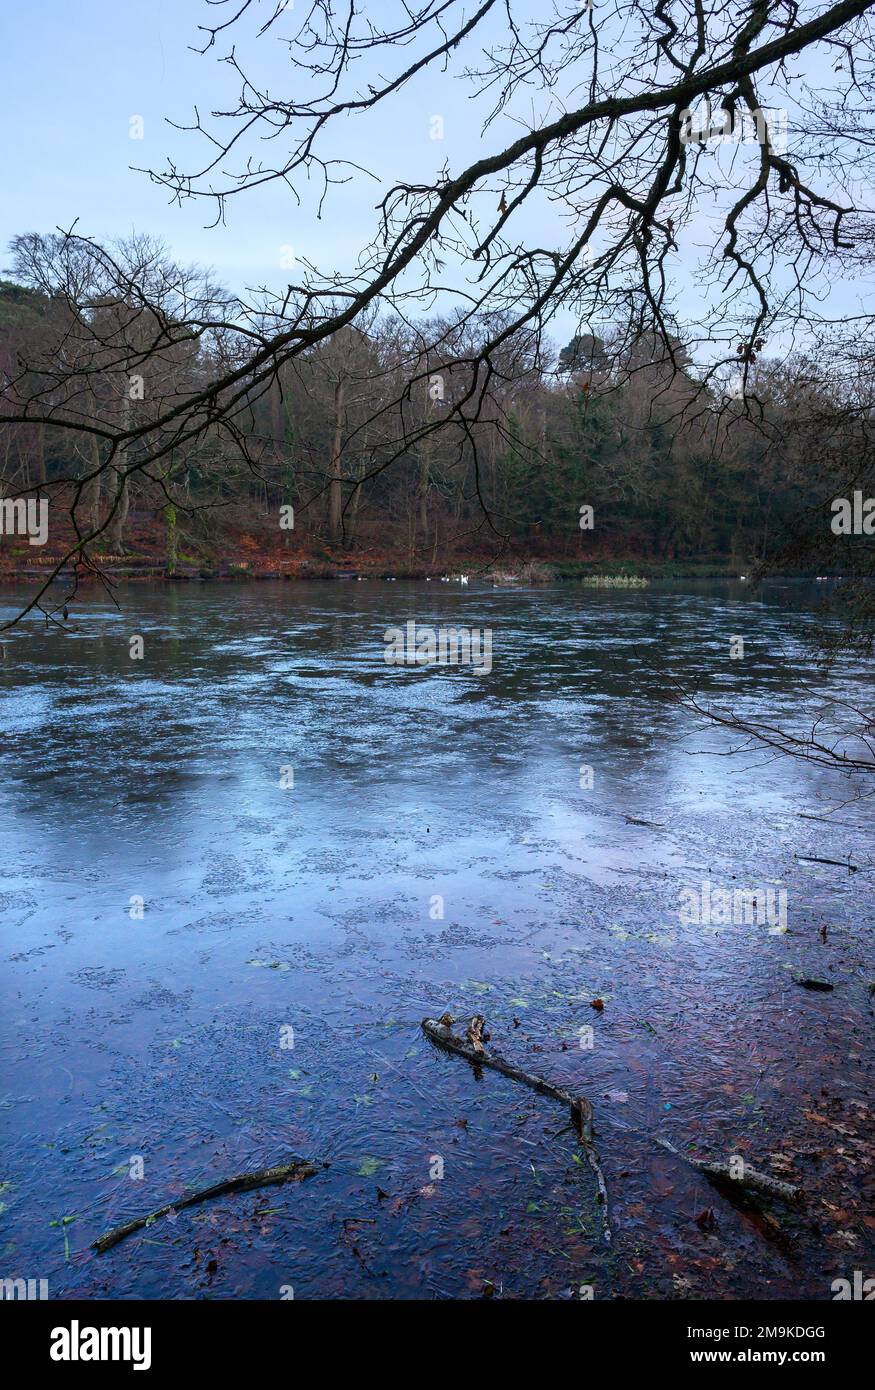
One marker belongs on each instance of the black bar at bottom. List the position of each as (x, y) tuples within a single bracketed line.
[(71, 1338)]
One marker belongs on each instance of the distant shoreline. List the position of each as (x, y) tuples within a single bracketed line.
[(506, 573)]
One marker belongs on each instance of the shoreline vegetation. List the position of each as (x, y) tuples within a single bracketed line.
[(621, 574), (245, 557), (618, 574)]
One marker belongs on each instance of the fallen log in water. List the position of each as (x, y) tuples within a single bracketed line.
[(838, 863), (242, 1182), (747, 1177), (440, 1031)]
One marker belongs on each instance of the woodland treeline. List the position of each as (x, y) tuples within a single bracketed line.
[(676, 467)]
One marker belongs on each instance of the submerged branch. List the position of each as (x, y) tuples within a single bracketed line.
[(295, 1171), (748, 1177), (440, 1032)]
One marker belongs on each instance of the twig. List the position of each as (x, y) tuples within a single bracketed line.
[(441, 1033), (807, 815), (748, 1176), (839, 863), (295, 1171)]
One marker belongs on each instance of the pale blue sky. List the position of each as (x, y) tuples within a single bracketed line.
[(74, 72)]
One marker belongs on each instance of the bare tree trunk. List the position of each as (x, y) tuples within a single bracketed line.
[(335, 490), (119, 488), (424, 485), (120, 515), (278, 435), (352, 514), (91, 491), (40, 454)]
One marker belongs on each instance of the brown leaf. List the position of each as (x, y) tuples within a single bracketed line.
[(477, 1034), (581, 1114)]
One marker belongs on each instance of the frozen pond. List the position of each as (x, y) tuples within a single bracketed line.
[(261, 834)]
